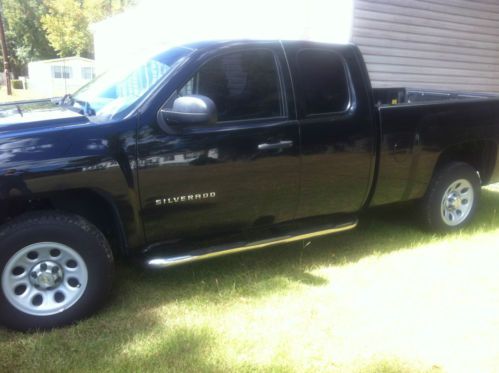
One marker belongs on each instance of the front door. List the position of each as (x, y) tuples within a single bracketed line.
[(241, 172)]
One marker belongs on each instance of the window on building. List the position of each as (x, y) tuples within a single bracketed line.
[(243, 85), (87, 73), (324, 81), (62, 72)]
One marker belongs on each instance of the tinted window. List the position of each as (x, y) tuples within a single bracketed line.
[(243, 85), (324, 81)]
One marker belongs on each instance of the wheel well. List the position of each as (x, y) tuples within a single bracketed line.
[(88, 204), (481, 155)]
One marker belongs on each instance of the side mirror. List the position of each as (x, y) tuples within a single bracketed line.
[(189, 111)]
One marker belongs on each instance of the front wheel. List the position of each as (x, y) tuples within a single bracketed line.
[(55, 269), (452, 197)]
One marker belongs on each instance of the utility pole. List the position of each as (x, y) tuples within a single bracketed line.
[(5, 55)]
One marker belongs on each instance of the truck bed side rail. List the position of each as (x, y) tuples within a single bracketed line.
[(401, 95)]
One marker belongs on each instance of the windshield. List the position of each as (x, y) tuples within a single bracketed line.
[(117, 90)]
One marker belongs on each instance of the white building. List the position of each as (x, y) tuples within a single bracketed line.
[(59, 76), (155, 24), (447, 44), (435, 44)]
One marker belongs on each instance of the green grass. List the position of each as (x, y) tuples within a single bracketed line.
[(18, 95), (386, 297)]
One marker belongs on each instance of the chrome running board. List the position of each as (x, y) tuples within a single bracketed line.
[(194, 256)]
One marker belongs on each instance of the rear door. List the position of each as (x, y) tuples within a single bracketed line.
[(241, 172), (337, 130)]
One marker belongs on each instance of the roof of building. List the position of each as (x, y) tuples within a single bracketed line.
[(65, 59)]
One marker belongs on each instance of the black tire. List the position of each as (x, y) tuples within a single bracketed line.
[(433, 210), (66, 230)]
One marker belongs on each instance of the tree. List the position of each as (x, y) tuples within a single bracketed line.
[(67, 22), (23, 25), (67, 27)]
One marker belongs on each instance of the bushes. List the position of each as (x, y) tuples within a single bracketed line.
[(17, 84)]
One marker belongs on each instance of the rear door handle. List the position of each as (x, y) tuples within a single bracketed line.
[(276, 145)]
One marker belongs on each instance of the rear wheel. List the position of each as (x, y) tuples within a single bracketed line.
[(55, 269), (452, 197)]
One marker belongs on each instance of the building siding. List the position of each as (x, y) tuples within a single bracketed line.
[(433, 44)]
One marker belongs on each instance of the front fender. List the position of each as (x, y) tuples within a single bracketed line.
[(83, 156)]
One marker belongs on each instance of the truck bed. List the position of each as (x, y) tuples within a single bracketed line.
[(416, 126), (401, 95)]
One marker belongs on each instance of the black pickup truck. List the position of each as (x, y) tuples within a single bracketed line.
[(215, 148)]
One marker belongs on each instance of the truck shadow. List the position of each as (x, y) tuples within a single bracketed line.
[(381, 231)]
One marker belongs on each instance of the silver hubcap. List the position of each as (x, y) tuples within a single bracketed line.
[(457, 202), (44, 278)]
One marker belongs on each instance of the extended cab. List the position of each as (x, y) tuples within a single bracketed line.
[(215, 148)]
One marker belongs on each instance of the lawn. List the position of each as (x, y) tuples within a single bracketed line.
[(386, 297), (18, 95)]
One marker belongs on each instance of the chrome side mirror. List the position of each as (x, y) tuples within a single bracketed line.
[(189, 111)]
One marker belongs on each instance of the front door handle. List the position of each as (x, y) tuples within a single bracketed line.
[(276, 145)]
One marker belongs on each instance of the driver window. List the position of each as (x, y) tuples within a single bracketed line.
[(243, 85)]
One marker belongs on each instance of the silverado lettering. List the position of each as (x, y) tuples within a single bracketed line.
[(188, 197)]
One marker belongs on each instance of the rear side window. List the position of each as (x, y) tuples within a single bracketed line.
[(243, 85), (324, 81)]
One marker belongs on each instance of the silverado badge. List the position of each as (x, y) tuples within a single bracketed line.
[(186, 198)]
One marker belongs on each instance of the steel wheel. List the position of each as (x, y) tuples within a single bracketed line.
[(452, 197), (44, 278), (457, 202), (56, 268)]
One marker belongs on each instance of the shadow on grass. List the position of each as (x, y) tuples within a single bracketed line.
[(127, 343), (197, 343), (258, 273), (192, 349), (277, 269)]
